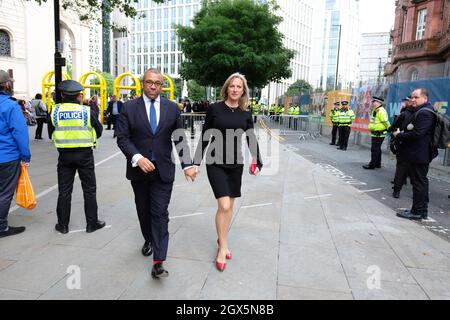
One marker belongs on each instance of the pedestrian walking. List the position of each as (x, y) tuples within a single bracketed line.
[(113, 111), (379, 123), (74, 129), (229, 119), (40, 111), (14, 150), (145, 131)]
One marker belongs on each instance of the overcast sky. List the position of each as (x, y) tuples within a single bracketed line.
[(377, 15)]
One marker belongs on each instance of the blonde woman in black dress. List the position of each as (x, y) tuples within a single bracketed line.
[(226, 122)]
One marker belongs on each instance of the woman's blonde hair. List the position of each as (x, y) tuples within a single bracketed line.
[(244, 100)]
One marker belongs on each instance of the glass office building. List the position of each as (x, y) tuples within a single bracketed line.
[(337, 41), (375, 49), (153, 42)]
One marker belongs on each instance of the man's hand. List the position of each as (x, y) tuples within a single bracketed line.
[(396, 133), (146, 165), (191, 173)]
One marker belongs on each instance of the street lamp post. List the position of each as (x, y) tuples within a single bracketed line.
[(338, 52), (59, 60)]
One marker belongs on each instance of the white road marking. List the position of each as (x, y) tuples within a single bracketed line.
[(257, 205), (47, 191), (84, 230), (366, 191), (188, 215), (321, 196)]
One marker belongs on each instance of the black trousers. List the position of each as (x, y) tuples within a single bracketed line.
[(152, 199), (334, 134), (344, 135), (401, 173), (419, 180), (40, 125), (112, 118), (69, 162), (9, 176), (375, 151)]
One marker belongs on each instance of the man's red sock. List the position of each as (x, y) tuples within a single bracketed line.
[(156, 262)]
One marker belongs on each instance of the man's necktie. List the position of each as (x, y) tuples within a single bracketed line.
[(153, 122)]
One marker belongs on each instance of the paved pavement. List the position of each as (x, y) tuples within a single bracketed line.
[(297, 234)]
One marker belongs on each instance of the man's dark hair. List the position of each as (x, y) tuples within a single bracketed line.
[(38, 96), (424, 92)]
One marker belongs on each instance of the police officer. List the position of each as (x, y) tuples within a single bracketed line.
[(74, 129), (379, 124), (346, 118), (334, 117), (401, 170)]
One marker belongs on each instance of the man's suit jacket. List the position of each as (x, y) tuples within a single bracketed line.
[(109, 109), (134, 136)]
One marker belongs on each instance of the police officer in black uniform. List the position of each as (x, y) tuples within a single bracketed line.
[(75, 154), (401, 171)]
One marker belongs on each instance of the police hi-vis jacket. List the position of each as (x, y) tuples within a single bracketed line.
[(73, 127)]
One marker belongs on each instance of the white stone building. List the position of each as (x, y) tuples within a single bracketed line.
[(27, 43)]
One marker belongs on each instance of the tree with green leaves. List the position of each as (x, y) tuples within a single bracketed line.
[(231, 36), (91, 10), (298, 88), (196, 91)]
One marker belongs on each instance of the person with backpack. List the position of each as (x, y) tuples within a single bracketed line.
[(40, 111), (417, 152)]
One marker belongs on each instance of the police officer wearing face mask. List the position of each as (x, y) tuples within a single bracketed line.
[(74, 129)]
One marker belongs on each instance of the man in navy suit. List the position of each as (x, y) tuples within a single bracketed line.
[(145, 129), (113, 111)]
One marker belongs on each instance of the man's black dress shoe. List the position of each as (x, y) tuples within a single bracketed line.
[(158, 271), (396, 194), (95, 226), (12, 231), (332, 144), (147, 249), (368, 167), (61, 229), (412, 215)]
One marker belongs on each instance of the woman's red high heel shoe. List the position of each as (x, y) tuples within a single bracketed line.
[(221, 266), (228, 256)]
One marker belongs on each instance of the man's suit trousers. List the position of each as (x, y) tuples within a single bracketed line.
[(152, 197)]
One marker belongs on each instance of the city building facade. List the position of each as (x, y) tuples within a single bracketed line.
[(375, 49), (27, 46), (153, 42), (420, 41), (337, 42)]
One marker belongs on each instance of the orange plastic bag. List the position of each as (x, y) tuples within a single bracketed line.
[(25, 196)]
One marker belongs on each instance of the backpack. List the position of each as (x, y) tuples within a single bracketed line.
[(441, 134)]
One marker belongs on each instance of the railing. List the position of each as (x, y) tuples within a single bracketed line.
[(303, 126), (193, 122)]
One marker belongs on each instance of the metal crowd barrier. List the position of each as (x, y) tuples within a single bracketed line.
[(304, 126), (193, 122)]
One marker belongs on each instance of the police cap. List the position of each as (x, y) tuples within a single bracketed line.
[(378, 99), (70, 87), (408, 98), (337, 103), (344, 103)]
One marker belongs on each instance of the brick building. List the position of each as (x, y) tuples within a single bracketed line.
[(420, 41)]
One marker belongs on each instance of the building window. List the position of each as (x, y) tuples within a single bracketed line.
[(415, 75), (5, 44), (421, 24)]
